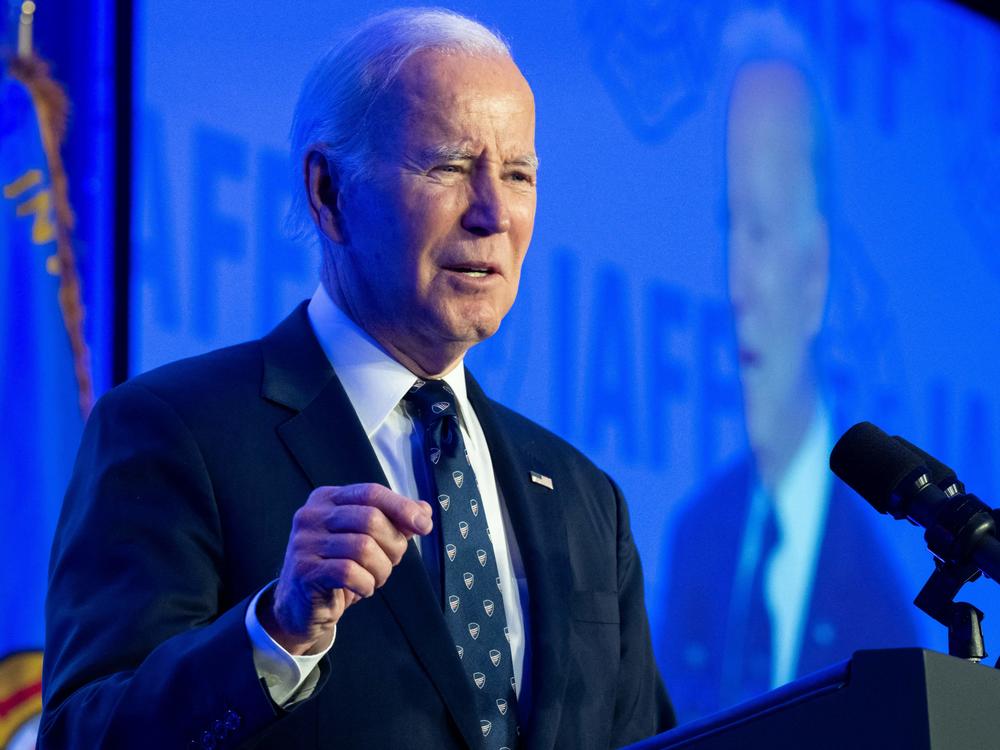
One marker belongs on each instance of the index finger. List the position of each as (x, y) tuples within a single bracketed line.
[(408, 515)]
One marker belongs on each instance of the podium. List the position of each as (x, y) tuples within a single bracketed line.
[(905, 699)]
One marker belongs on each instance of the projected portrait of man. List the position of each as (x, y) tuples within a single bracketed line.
[(772, 573)]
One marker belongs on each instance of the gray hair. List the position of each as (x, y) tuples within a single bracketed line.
[(332, 112)]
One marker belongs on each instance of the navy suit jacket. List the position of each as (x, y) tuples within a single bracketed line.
[(180, 508), (857, 599)]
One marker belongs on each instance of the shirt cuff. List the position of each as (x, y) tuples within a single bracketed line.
[(289, 679)]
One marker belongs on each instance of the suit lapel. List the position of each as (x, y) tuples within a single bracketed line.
[(325, 436), (540, 530), (327, 440)]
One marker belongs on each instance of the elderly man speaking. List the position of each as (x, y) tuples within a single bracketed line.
[(239, 558)]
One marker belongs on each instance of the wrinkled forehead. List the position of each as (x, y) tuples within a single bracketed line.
[(771, 139), (453, 97)]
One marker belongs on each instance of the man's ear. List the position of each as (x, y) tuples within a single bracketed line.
[(322, 185)]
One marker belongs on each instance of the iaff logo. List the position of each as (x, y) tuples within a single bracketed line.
[(654, 57), (20, 699)]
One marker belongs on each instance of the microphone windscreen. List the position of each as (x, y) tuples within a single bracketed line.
[(940, 474), (872, 463)]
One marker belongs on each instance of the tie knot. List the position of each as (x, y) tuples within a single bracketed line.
[(434, 400)]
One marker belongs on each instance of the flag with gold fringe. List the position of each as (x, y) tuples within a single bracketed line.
[(20, 699), (46, 389)]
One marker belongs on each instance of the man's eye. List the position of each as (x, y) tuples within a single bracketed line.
[(449, 168), (525, 177)]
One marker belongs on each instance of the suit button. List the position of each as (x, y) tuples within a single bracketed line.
[(232, 720), (208, 741)]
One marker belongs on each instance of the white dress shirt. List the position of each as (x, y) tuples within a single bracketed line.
[(801, 500), (375, 384)]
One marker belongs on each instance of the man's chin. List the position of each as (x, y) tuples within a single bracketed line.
[(473, 323), (440, 345), (472, 333), (761, 423)]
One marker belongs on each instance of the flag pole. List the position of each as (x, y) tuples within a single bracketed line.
[(53, 108), (24, 29)]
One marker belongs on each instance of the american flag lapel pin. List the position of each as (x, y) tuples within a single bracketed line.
[(542, 480)]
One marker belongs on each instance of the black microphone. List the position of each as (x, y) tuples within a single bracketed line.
[(885, 473), (896, 480), (940, 474)]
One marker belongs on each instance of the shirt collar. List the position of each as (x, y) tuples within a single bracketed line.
[(374, 382), (807, 472)]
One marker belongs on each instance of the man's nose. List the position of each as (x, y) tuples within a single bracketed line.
[(487, 212)]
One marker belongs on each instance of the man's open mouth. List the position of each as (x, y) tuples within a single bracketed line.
[(473, 271)]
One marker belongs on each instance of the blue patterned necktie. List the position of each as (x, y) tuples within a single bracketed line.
[(748, 670), (474, 613)]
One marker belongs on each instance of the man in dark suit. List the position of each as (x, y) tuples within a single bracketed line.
[(856, 600), (775, 570), (239, 560)]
